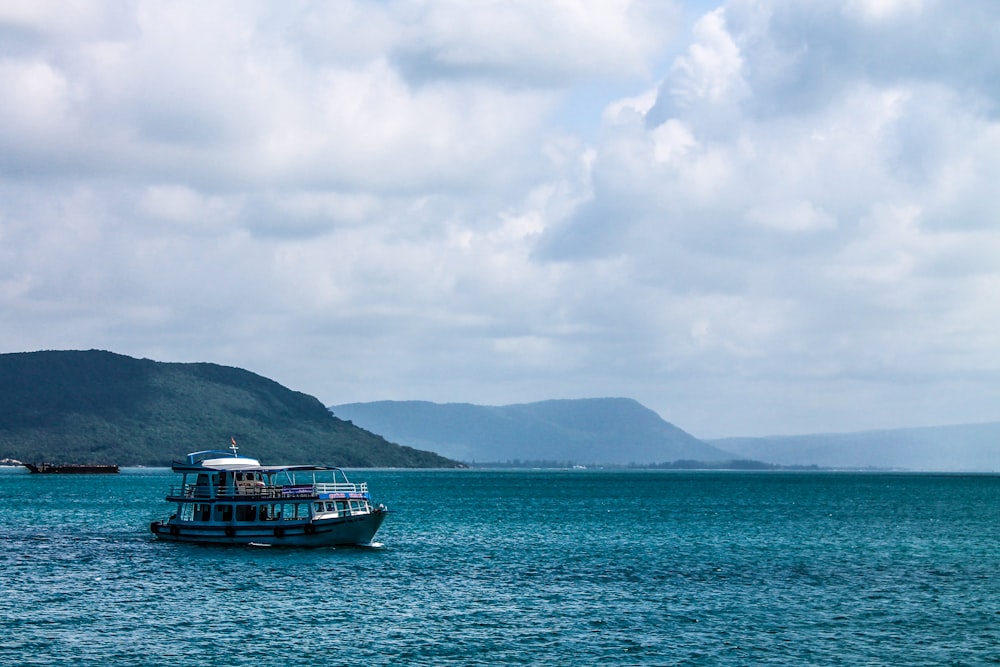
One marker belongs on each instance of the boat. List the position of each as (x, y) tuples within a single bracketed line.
[(226, 498), (71, 469)]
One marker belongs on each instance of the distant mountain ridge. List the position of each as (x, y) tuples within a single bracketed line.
[(578, 431), (93, 406), (620, 431), (100, 407), (960, 447)]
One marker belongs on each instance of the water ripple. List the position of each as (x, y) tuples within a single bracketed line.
[(521, 568)]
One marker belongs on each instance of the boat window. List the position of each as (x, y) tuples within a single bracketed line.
[(246, 512), (201, 486), (223, 512)]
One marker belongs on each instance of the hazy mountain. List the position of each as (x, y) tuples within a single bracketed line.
[(955, 448), (599, 430), (100, 407)]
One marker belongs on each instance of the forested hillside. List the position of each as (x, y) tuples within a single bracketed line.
[(100, 407)]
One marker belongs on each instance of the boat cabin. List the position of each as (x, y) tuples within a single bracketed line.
[(248, 493), (224, 497)]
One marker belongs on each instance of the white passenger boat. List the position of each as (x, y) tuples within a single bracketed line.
[(225, 498)]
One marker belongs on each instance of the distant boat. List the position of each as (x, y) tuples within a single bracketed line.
[(71, 468), (225, 498)]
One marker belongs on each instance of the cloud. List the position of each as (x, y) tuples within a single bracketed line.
[(808, 198), (526, 44), (780, 216)]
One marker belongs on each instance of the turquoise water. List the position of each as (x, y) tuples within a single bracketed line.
[(520, 568)]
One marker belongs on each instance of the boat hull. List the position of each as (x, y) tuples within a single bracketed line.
[(343, 531)]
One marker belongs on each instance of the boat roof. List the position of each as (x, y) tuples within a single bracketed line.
[(180, 466), (218, 460)]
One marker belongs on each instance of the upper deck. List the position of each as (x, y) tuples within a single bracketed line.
[(319, 490)]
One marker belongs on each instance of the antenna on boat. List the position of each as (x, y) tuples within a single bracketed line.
[(234, 447)]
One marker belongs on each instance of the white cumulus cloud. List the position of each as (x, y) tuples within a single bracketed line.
[(751, 216)]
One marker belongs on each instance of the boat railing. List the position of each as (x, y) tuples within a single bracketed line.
[(268, 492), (264, 492), (341, 487)]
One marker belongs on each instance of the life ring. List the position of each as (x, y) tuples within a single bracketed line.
[(310, 529), (279, 532), (174, 530), (230, 531)]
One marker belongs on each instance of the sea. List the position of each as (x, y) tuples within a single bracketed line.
[(520, 567)]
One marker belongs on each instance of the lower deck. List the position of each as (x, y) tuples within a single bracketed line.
[(257, 511)]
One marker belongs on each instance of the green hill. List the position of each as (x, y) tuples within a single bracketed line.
[(100, 407)]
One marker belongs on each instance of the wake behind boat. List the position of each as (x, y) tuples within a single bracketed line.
[(225, 498)]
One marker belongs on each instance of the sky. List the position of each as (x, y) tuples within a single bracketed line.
[(754, 217)]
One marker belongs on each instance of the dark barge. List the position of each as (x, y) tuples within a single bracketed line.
[(71, 468)]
